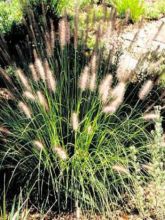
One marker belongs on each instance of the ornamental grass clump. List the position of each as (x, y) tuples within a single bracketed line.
[(69, 127)]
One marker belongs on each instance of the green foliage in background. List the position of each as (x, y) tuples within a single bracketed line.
[(10, 12), (134, 8)]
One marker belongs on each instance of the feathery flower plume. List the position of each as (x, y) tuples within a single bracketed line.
[(84, 78), (64, 32), (4, 130), (49, 77), (127, 65), (61, 153), (40, 68), (75, 121), (104, 88), (120, 169), (93, 64), (150, 116), (38, 144), (6, 94), (92, 83), (33, 72), (52, 35), (29, 95), (118, 97), (25, 109), (23, 79), (146, 89), (42, 100), (119, 91)]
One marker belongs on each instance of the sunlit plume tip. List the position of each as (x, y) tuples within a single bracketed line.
[(150, 116), (104, 88), (42, 100), (127, 66), (23, 79), (75, 121), (25, 109), (84, 78), (61, 153), (146, 89), (29, 95), (120, 169), (51, 82), (38, 144)]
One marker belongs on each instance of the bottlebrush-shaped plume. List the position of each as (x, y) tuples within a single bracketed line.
[(61, 153), (25, 109), (29, 95), (49, 77), (42, 100), (75, 121), (105, 87), (84, 78), (126, 68), (146, 89), (38, 144), (23, 79), (40, 69), (120, 169), (64, 32), (34, 72)]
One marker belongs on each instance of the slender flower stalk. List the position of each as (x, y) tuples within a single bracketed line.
[(146, 89), (25, 109), (75, 121), (23, 79), (105, 87)]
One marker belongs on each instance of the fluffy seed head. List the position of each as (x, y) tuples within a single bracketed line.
[(75, 121), (61, 153), (64, 31), (84, 78), (92, 83), (146, 89), (23, 79), (93, 64), (119, 91), (42, 100), (4, 130), (120, 169), (38, 144), (50, 78), (33, 72), (40, 69), (127, 65), (6, 94), (150, 116), (25, 109), (29, 95), (104, 88)]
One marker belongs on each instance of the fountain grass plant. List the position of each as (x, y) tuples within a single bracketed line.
[(67, 128)]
